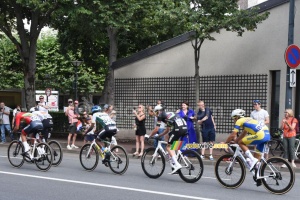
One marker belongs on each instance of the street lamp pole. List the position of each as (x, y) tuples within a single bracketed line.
[(76, 63)]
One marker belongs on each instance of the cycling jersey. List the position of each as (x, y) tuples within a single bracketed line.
[(259, 132), (32, 121), (175, 122), (103, 121)]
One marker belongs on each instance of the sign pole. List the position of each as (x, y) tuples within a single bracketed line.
[(288, 94)]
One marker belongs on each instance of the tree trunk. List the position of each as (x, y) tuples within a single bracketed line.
[(108, 94), (197, 47)]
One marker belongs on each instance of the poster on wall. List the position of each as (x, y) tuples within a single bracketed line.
[(51, 98)]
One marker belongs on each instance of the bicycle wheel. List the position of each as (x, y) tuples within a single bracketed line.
[(231, 177), (279, 179), (89, 157), (192, 166), (57, 152), (276, 147), (153, 166), (119, 161), (14, 151), (43, 156)]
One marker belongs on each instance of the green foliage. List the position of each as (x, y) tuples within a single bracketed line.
[(53, 69)]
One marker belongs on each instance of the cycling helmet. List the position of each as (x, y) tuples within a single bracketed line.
[(158, 108), (33, 109), (238, 113), (96, 109)]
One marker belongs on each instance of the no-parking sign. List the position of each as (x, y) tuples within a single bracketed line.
[(292, 56)]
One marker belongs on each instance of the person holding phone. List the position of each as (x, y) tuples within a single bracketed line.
[(208, 126), (188, 115)]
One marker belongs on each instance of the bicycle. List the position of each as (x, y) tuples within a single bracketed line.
[(153, 163), (276, 144), (40, 154), (118, 158), (230, 171)]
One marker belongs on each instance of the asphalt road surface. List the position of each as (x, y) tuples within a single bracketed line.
[(69, 181)]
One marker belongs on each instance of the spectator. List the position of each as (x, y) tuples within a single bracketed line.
[(4, 122), (188, 115), (86, 122), (206, 120), (72, 116), (15, 111), (288, 124), (260, 114), (162, 125), (140, 132), (109, 109), (42, 105)]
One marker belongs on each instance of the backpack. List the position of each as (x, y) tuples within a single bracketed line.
[(297, 125)]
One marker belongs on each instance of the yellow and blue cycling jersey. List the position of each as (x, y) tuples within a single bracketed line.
[(259, 132)]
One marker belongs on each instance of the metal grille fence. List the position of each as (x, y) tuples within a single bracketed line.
[(221, 94)]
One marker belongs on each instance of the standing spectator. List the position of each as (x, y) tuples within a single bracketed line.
[(109, 109), (42, 105), (162, 125), (86, 122), (140, 132), (206, 120), (288, 124), (72, 116), (15, 111), (260, 114), (4, 122), (188, 115)]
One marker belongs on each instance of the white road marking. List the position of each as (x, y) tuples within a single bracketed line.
[(108, 186)]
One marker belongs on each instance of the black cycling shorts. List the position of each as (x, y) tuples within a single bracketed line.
[(176, 135), (107, 132)]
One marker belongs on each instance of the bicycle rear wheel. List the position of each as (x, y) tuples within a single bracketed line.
[(192, 166), (14, 151), (280, 178), (57, 152), (231, 177), (43, 156), (119, 161), (153, 166), (89, 159)]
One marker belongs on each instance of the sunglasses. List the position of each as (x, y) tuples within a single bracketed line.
[(41, 98), (70, 102)]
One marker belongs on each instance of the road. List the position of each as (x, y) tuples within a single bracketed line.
[(70, 181)]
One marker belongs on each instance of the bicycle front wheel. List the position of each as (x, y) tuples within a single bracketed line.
[(152, 165), (119, 161), (57, 152), (89, 157), (14, 151), (192, 166), (279, 175), (230, 176), (43, 156)]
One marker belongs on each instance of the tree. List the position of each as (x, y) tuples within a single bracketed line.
[(119, 27), (13, 15)]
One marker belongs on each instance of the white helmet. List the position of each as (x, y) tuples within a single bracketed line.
[(158, 107), (238, 113), (32, 109)]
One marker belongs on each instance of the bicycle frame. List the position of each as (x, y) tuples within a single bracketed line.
[(159, 147), (256, 173)]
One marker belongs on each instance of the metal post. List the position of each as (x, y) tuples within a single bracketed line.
[(76, 63), (288, 94)]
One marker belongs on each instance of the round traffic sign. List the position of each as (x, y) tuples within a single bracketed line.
[(292, 56)]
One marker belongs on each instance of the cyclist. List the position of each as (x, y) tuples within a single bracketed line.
[(175, 126), (259, 134), (104, 125), (29, 123), (46, 119)]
